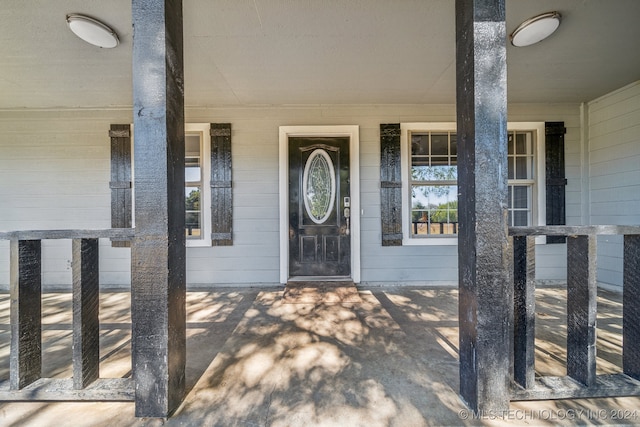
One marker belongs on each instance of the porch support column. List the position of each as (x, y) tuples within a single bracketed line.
[(486, 293), (158, 250), (631, 307)]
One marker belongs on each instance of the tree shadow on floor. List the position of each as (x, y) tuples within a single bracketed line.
[(327, 364)]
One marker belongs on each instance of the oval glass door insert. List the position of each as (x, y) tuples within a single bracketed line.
[(319, 186)]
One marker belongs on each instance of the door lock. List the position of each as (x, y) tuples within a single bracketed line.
[(347, 215)]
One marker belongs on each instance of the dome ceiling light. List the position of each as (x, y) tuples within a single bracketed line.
[(92, 31), (535, 29)]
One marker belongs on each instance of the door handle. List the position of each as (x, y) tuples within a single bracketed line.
[(347, 215)]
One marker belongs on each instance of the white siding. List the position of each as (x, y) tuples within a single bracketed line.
[(614, 172), (54, 173)]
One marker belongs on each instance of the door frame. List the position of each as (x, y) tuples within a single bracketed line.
[(353, 133)]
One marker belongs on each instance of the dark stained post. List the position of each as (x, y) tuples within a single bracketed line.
[(524, 282), (86, 324), (158, 250), (631, 307), (26, 312), (486, 291), (581, 308)]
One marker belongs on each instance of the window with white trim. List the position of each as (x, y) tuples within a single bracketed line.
[(521, 177), (429, 159), (197, 175)]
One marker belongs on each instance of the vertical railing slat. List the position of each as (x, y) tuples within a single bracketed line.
[(524, 266), (26, 313), (581, 308), (631, 307), (86, 326)]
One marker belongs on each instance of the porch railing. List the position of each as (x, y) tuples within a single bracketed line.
[(440, 227), (25, 361), (581, 380)]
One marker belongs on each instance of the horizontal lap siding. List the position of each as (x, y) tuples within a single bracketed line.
[(253, 258), (54, 174), (69, 137), (610, 259), (614, 154), (551, 262)]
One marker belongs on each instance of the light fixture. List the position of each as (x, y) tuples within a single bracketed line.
[(92, 31), (535, 29)]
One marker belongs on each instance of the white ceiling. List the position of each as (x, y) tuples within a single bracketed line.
[(275, 52)]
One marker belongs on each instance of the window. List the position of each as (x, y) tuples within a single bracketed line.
[(197, 176), (520, 177), (433, 183), (429, 158)]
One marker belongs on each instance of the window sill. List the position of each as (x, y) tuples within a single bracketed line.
[(198, 243), (431, 241)]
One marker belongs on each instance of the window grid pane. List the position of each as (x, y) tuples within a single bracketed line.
[(520, 202), (520, 155), (433, 157), (193, 186)]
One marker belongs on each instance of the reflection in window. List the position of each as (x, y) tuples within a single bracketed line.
[(434, 174), (193, 185), (434, 191)]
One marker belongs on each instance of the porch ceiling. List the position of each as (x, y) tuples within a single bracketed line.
[(256, 52)]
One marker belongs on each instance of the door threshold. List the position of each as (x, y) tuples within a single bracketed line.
[(320, 279)]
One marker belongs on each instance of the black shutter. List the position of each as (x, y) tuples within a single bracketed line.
[(120, 180), (555, 176), (390, 185), (221, 185)]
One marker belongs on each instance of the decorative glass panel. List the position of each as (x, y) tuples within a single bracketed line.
[(319, 186)]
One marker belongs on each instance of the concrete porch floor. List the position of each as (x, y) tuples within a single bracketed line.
[(390, 360)]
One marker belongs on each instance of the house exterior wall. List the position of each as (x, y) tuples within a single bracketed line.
[(614, 171), (54, 174)]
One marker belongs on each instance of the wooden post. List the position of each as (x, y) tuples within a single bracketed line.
[(86, 324), (158, 250), (631, 307), (26, 313), (581, 308), (486, 291), (524, 336)]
